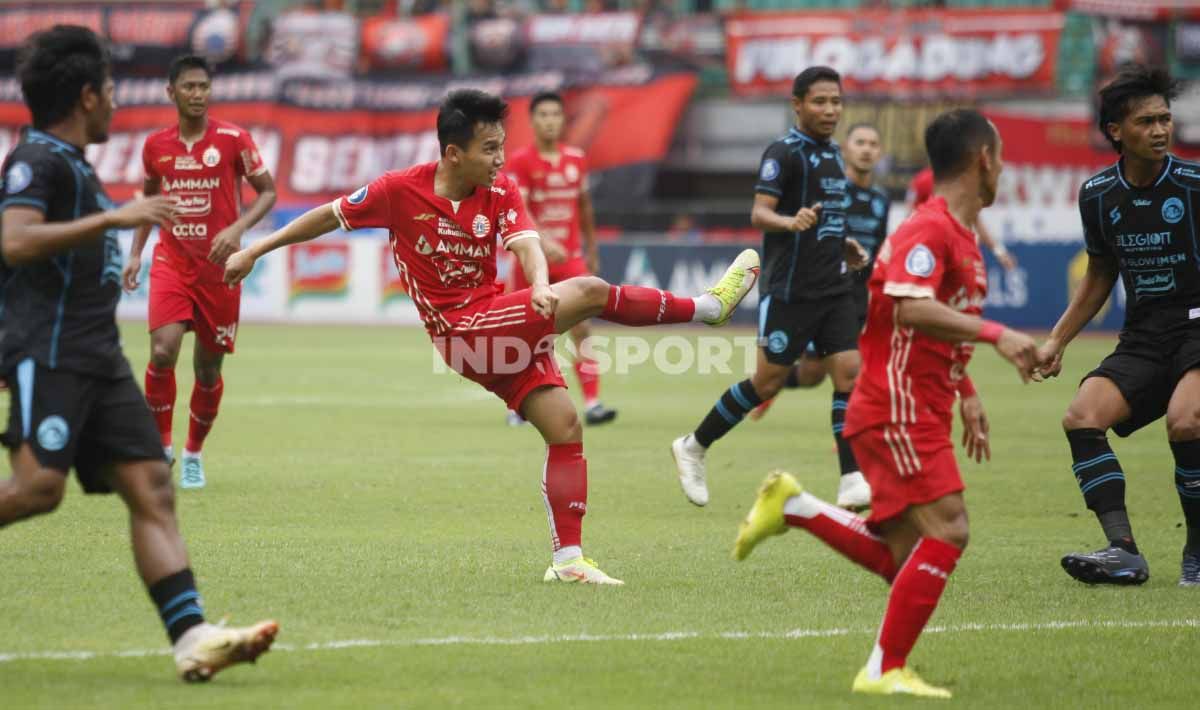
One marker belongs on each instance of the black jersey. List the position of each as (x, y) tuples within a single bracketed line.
[(1152, 234), (802, 171), (61, 311), (867, 223)]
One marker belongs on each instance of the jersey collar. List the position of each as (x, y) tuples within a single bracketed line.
[(32, 132), (794, 131), (1162, 174), (937, 202), (208, 129)]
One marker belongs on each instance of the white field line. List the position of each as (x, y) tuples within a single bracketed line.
[(617, 638)]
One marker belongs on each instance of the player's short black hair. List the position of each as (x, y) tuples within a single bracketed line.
[(55, 65), (812, 75), (184, 62), (953, 137), (863, 124), (1132, 83), (462, 110), (543, 96)]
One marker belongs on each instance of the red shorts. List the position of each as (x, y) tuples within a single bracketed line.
[(905, 466), (568, 269), (504, 345), (210, 309)]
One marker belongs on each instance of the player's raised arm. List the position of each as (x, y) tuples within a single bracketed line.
[(309, 226), (28, 237), (940, 321)]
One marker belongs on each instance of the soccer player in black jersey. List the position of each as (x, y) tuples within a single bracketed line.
[(74, 403), (867, 224), (1141, 222), (800, 203)]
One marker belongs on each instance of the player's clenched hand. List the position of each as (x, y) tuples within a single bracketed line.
[(1049, 360), (555, 252), (975, 429), (1020, 350), (226, 242), (238, 266), (545, 301), (129, 275), (856, 256), (147, 210), (806, 218)]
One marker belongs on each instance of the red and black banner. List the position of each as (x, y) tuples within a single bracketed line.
[(324, 139), (915, 53)]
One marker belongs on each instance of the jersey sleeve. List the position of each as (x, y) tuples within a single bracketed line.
[(774, 172), (249, 162), (1093, 234), (916, 266), (150, 171), (368, 206), (513, 222), (30, 179)]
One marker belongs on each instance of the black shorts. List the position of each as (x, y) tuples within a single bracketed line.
[(786, 329), (1146, 370), (73, 420)]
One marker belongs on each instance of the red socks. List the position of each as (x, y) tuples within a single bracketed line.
[(160, 395), (638, 305), (564, 488), (205, 403), (589, 379), (915, 594), (847, 533)]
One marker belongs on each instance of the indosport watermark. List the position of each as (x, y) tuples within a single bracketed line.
[(611, 354)]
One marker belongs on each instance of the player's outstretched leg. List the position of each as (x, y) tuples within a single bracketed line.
[(782, 503), (587, 297), (564, 485), (200, 649)]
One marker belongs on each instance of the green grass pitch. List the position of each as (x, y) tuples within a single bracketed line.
[(392, 523)]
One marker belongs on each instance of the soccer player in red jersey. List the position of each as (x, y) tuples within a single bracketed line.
[(444, 220), (554, 182), (200, 163), (926, 297)]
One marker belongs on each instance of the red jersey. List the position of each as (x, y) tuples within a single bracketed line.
[(552, 189), (445, 251), (921, 187), (205, 178), (909, 378)]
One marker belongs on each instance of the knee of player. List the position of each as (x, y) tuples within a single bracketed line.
[(595, 290), (958, 533), (163, 355), (155, 493), (44, 491), (1185, 425), (207, 375), (767, 386), (1075, 418)]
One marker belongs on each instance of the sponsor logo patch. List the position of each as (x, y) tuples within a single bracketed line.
[(1172, 210), (53, 433), (770, 169), (480, 226), (358, 196), (18, 178), (920, 261), (777, 341)]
